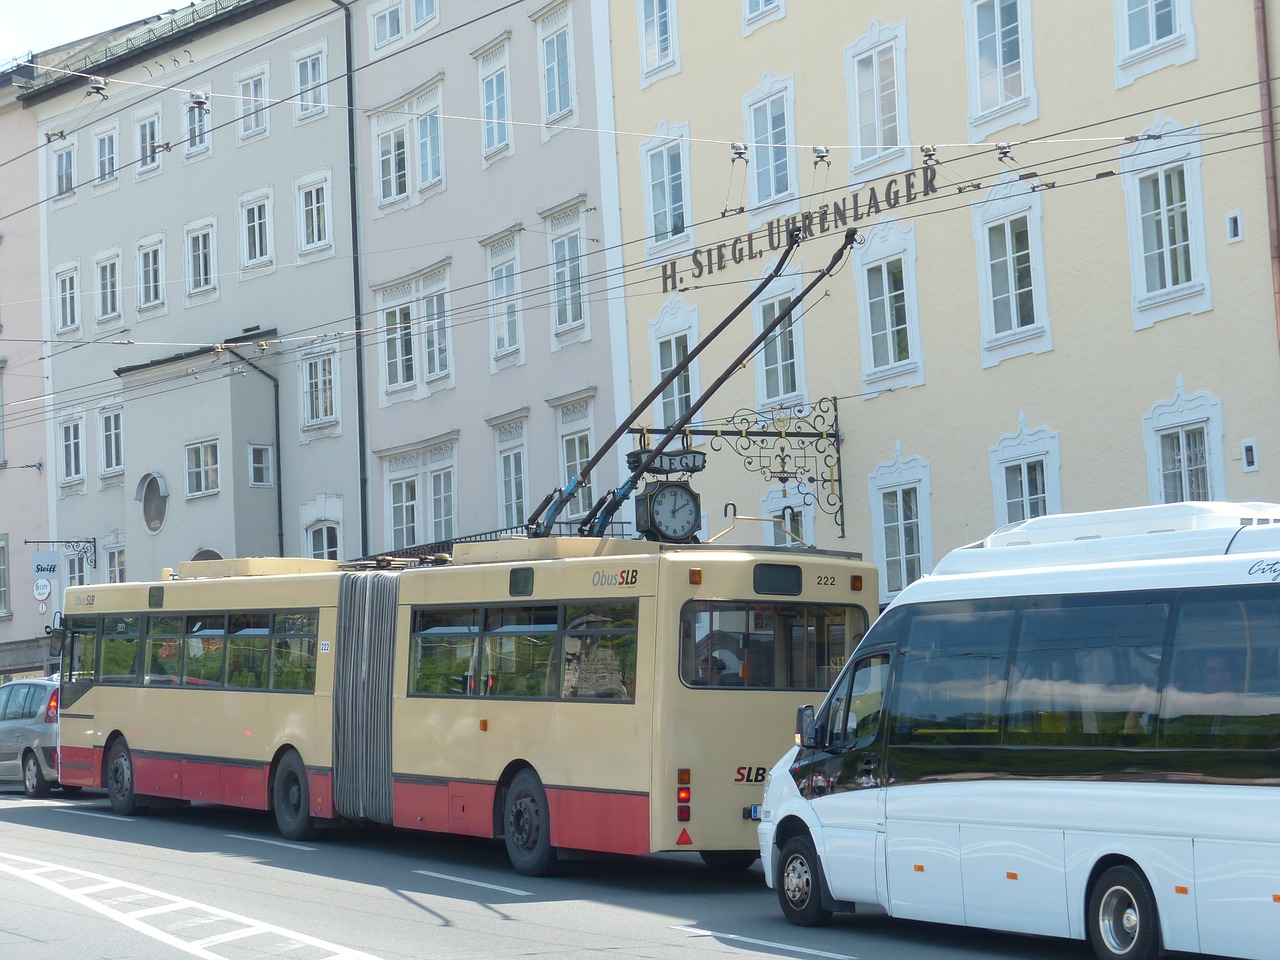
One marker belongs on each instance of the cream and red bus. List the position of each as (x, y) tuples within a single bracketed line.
[(577, 694)]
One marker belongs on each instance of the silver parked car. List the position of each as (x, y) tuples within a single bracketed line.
[(29, 734)]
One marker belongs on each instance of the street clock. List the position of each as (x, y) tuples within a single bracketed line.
[(670, 510)]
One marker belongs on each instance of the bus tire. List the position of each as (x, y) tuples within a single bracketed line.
[(1122, 919), (120, 782), (527, 827), (728, 861), (799, 883), (291, 799), (34, 783)]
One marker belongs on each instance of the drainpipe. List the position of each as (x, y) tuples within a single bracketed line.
[(356, 298), (275, 387), (1269, 151)]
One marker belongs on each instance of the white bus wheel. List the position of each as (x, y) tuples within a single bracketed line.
[(799, 883), (1122, 916)]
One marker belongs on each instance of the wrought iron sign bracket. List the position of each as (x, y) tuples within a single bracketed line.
[(86, 547)]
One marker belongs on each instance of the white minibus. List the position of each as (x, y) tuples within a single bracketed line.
[(1070, 729)]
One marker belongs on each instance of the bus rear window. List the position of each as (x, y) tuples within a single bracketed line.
[(777, 579), (769, 646)]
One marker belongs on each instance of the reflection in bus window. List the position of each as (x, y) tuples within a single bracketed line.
[(952, 680), (444, 653), (163, 657), (853, 710), (120, 648), (205, 649), (247, 650), (776, 646), (1224, 678), (520, 643), (599, 651), (1086, 671)]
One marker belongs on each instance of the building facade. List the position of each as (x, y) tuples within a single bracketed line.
[(198, 288), (1060, 297)]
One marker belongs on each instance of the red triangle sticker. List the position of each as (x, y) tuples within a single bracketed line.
[(684, 839)]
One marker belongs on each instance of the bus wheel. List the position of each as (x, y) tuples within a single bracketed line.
[(528, 827), (1122, 916), (799, 884), (728, 861), (291, 798), (120, 783), (33, 781)]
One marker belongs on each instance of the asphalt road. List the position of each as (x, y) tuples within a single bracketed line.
[(79, 883)]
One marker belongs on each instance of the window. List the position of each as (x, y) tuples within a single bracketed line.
[(424, 11), (399, 343), (197, 128), (112, 442), (567, 296), (511, 473), (876, 101), (1011, 273), (1009, 253), (792, 519), (1025, 474), (257, 232), (556, 74), (494, 97), (435, 334), (887, 301), (74, 564), (72, 452), (1166, 224), (108, 289), (107, 156), (318, 390), (261, 465), (442, 507), (149, 144), (200, 261), (757, 13), (900, 495), (676, 400), (253, 105), (576, 448), (323, 539), (115, 565), (770, 150), (392, 164), (5, 608), (887, 305), (150, 276), (505, 304), (387, 26), (1184, 465), (310, 74), (1183, 437), (667, 202), (430, 148), (202, 468), (997, 39), (313, 207), (404, 513), (900, 514), (658, 33), (68, 282), (780, 357), (64, 162), (1151, 35)]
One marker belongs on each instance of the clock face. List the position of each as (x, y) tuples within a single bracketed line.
[(674, 511)]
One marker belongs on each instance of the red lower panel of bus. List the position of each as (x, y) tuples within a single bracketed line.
[(580, 819), (239, 784)]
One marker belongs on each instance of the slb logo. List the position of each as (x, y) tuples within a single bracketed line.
[(750, 775)]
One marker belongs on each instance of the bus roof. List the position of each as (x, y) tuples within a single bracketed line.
[(1163, 531)]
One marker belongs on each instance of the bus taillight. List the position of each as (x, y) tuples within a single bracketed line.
[(51, 712), (683, 793)]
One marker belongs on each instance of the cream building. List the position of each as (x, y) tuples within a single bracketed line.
[(1061, 296)]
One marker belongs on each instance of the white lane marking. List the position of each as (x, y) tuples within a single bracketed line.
[(25, 868), (274, 843), (765, 943), (475, 883), (100, 816)]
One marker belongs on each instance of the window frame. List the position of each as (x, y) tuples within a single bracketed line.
[(1203, 410), (147, 127), (261, 469), (253, 100), (676, 319), (1008, 111), (1179, 47), (673, 141), (309, 94), (444, 525), (402, 531), (151, 276), (894, 476), (665, 59), (193, 231), (204, 470), (71, 465), (6, 608), (767, 151), (495, 111), (513, 483), (199, 130), (257, 234), (559, 98), (111, 159), (314, 214), (319, 383), (111, 441), (1020, 447), (108, 295), (64, 172), (437, 349), (398, 346), (887, 242), (430, 136), (379, 17), (324, 528), (765, 312), (393, 165), (867, 162), (66, 281)]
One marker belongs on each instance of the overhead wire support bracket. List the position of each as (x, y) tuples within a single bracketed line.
[(598, 519), (555, 502)]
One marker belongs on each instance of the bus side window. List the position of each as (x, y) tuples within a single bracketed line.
[(853, 710)]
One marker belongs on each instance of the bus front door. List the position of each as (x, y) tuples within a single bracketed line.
[(843, 778)]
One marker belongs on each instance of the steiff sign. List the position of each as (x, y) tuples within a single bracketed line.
[(868, 201)]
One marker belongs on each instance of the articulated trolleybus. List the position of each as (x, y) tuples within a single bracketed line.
[(562, 693), (1070, 729)]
